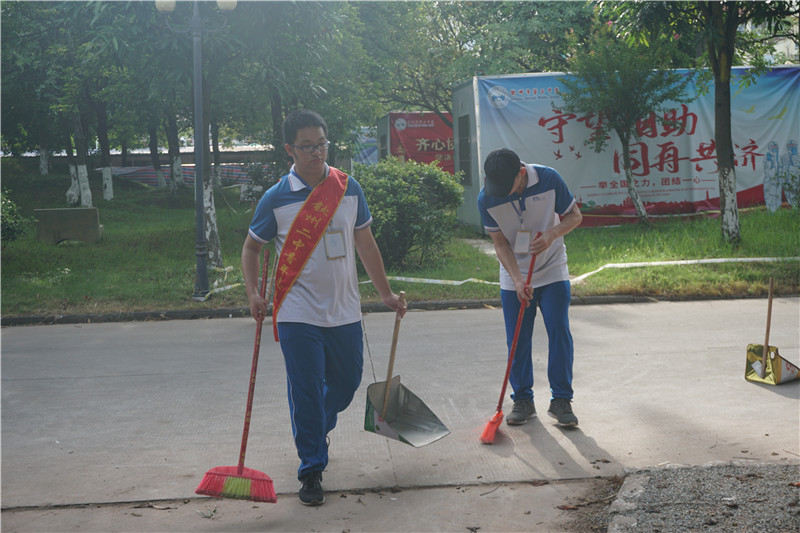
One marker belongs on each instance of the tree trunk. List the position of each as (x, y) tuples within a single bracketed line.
[(84, 191), (108, 184), (123, 156), (154, 159), (210, 215), (729, 211), (723, 22), (44, 160), (641, 212), (174, 151), (105, 149), (74, 191), (212, 233), (83, 182), (215, 154)]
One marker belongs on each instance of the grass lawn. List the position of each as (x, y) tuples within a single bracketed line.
[(146, 260)]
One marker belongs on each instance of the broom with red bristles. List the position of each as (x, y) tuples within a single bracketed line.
[(237, 481), (489, 432)]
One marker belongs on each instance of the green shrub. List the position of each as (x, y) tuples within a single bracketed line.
[(13, 223), (414, 209)]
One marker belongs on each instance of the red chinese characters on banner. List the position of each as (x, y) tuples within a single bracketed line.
[(422, 137), (679, 122)]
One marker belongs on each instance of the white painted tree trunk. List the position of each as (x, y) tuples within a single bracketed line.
[(74, 191), (728, 205), (44, 162), (177, 174), (162, 183), (108, 185), (212, 232), (83, 183), (641, 212)]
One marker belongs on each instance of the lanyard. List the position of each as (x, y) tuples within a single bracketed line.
[(519, 211)]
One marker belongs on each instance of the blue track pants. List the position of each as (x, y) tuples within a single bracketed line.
[(553, 300), (323, 372)]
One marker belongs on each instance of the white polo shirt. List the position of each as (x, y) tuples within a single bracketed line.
[(536, 209), (326, 292)]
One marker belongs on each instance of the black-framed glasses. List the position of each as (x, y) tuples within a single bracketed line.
[(309, 148)]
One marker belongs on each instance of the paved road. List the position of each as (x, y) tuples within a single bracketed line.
[(111, 426)]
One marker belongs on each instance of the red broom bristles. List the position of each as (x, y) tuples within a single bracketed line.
[(489, 432), (241, 484)]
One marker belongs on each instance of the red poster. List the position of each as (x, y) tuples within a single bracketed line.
[(422, 137)]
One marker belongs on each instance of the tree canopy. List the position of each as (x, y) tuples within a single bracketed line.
[(619, 85), (119, 70), (726, 34)]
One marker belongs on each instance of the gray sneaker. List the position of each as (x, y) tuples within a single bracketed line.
[(522, 411), (561, 410)]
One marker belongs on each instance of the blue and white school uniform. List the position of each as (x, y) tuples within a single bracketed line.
[(319, 321), (545, 197)]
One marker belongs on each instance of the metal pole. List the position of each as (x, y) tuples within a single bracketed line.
[(201, 276)]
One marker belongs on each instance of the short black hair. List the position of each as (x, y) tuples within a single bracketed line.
[(299, 119)]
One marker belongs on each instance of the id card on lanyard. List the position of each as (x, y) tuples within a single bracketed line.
[(522, 242), (523, 238)]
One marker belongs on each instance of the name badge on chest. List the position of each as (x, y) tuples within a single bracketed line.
[(522, 242), (334, 244)]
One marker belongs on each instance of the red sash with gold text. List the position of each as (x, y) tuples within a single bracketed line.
[(307, 229)]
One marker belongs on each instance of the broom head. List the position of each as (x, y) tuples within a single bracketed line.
[(237, 482), (489, 432)]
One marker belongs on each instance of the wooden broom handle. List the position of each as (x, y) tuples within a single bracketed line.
[(765, 351), (398, 317), (254, 368)]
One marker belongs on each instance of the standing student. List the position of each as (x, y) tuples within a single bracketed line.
[(319, 218), (517, 201)]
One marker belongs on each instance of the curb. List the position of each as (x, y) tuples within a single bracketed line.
[(369, 307), (240, 312), (626, 500)]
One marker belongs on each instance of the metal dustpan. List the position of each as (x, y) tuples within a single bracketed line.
[(764, 364), (397, 413)]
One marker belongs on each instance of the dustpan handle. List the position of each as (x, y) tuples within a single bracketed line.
[(765, 351), (397, 320)]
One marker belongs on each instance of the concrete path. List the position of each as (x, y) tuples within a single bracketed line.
[(134, 413)]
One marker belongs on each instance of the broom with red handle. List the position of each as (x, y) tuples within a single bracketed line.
[(490, 431), (237, 481)]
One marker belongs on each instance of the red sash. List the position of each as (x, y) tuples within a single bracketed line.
[(307, 229)]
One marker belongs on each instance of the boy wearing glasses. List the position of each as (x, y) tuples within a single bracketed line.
[(319, 218)]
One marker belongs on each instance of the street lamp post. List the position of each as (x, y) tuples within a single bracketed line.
[(201, 251), (201, 289)]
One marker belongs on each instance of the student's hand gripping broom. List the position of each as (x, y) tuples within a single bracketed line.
[(237, 481), (489, 432)]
